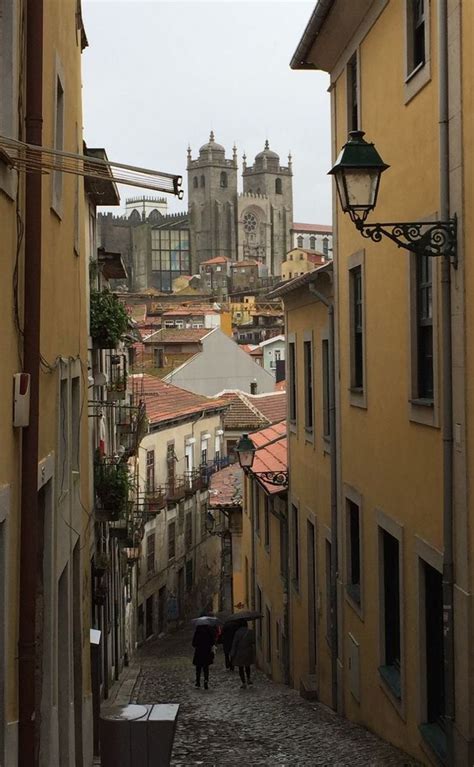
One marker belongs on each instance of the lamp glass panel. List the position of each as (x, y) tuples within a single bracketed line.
[(246, 458), (342, 191), (361, 188)]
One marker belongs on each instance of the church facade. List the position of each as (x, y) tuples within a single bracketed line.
[(255, 224)]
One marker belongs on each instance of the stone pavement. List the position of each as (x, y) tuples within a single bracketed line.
[(266, 724)]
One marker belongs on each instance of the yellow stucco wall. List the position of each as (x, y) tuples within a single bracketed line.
[(296, 263)]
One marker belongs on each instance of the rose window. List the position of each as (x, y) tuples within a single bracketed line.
[(250, 223)]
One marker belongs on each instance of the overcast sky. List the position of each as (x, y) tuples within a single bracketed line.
[(159, 74)]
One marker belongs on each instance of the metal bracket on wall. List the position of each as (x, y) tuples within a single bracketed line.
[(425, 238)]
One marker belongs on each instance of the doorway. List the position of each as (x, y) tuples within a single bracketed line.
[(433, 727), (161, 609), (149, 617)]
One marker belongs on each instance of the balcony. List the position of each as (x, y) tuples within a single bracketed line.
[(112, 485), (154, 501), (176, 490)]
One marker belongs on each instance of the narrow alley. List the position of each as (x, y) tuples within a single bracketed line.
[(266, 724)]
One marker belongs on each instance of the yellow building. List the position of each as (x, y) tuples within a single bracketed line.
[(265, 550), (44, 473), (299, 261), (401, 494)]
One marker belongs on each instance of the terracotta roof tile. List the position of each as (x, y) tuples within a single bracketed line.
[(178, 335), (167, 402), (248, 411), (271, 454), (226, 487), (272, 406), (318, 228)]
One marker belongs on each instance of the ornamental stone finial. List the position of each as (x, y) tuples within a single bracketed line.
[(211, 136), (267, 145)]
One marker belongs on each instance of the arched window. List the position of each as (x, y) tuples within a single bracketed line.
[(300, 241), (224, 180), (278, 186), (326, 246), (312, 243), (203, 181), (195, 182)]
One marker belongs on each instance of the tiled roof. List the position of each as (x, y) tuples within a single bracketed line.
[(302, 280), (216, 260), (256, 352), (317, 228), (165, 402), (280, 386), (248, 262), (247, 411), (226, 487), (272, 406), (241, 414), (271, 454), (177, 335)]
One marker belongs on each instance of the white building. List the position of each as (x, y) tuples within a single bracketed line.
[(313, 237), (273, 351), (180, 561)]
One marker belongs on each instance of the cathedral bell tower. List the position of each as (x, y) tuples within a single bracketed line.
[(212, 196)]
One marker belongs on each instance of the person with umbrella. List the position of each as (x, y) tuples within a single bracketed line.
[(242, 653), (225, 639), (203, 641)]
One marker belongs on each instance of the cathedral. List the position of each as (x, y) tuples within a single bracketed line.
[(255, 224)]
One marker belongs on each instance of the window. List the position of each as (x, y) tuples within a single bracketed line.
[(353, 116), (312, 243), (75, 422), (432, 585), (353, 550), (170, 464), (326, 391), (150, 553), (195, 182), (224, 180), (268, 631), (292, 381), (256, 507), (278, 187), (203, 452), (357, 329), (58, 142), (390, 669), (308, 385), (203, 181), (325, 246), (299, 241), (266, 512), (188, 530), (416, 44), (203, 514), (328, 590), (189, 574), (283, 548), (424, 316), (259, 610), (150, 471), (295, 540), (171, 540)]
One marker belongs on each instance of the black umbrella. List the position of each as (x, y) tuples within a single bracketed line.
[(244, 615)]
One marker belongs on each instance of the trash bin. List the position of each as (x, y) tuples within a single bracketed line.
[(138, 736)]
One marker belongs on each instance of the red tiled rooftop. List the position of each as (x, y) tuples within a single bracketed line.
[(318, 228), (216, 260), (226, 487), (166, 402), (272, 406), (248, 262), (177, 335), (248, 411), (280, 386), (271, 454)]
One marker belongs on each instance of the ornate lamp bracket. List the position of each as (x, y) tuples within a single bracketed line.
[(425, 238), (272, 477)]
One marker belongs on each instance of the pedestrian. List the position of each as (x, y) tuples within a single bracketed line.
[(225, 639), (242, 653), (203, 641)]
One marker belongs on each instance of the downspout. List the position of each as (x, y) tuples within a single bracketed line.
[(447, 387), (334, 536), (31, 556)]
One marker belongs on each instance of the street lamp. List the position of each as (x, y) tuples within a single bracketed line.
[(357, 171), (245, 450)]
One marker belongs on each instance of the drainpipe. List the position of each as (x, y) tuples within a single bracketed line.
[(31, 556), (334, 536), (447, 387)]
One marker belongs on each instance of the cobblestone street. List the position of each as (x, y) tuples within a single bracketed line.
[(266, 724)]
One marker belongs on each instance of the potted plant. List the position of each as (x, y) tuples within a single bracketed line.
[(112, 488), (109, 320), (117, 389)]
